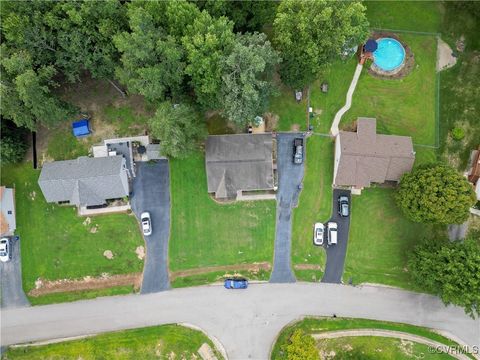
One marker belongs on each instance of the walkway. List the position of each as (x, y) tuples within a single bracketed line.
[(338, 116), (290, 177), (389, 334), (151, 192), (246, 322)]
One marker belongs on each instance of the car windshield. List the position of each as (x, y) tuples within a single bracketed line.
[(3, 253)]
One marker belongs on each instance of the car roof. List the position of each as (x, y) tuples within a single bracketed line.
[(332, 224)]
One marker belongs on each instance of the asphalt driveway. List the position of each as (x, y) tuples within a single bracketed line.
[(151, 192), (290, 176), (11, 279), (336, 253)]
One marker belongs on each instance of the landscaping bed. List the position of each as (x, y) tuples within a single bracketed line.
[(57, 244), (165, 342)]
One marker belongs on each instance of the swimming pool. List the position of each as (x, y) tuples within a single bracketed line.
[(389, 54)]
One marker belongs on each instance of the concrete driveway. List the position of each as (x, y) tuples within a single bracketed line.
[(336, 253), (11, 279), (151, 192), (246, 322), (290, 176)]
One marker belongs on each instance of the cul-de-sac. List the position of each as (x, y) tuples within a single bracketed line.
[(220, 179)]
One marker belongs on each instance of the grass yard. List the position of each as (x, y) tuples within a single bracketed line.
[(218, 276), (79, 295), (55, 243), (64, 146), (165, 342), (206, 233), (319, 325), (289, 111), (314, 206), (425, 16), (126, 121), (405, 106), (380, 240)]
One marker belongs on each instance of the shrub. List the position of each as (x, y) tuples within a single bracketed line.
[(458, 134)]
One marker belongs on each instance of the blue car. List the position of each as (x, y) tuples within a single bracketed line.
[(237, 283)]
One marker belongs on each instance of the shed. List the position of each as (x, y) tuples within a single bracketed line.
[(81, 128)]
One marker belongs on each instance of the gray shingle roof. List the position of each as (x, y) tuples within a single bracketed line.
[(239, 162), (84, 181), (367, 157)]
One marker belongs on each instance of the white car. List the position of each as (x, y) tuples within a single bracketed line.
[(318, 232), (5, 251), (146, 223), (332, 233)]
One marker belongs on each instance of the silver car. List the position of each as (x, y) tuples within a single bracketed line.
[(318, 234), (146, 223), (5, 250)]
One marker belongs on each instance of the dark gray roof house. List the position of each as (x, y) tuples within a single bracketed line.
[(241, 162), (85, 181), (364, 157)]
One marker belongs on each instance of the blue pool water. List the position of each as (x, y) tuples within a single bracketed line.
[(389, 54)]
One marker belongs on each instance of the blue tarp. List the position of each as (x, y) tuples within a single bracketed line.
[(81, 128), (371, 45)]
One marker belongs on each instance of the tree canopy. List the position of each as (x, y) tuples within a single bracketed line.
[(12, 145), (179, 129), (247, 77), (450, 270), (310, 34), (435, 194)]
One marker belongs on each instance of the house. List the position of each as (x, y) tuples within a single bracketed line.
[(474, 172), (364, 157), (7, 214), (85, 182), (239, 163)]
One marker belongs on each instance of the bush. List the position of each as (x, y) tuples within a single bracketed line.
[(458, 134), (12, 145), (301, 346)]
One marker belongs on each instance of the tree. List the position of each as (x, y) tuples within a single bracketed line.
[(12, 145), (207, 41), (450, 270), (301, 346), (435, 194), (152, 61), (179, 128), (25, 92), (313, 33), (247, 75)]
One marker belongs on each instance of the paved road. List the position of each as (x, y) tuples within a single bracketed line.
[(151, 192), (336, 253), (11, 280), (246, 322), (290, 176)]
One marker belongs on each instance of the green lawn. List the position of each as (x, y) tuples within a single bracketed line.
[(319, 325), (314, 206), (64, 146), (380, 239), (55, 244), (126, 121), (165, 342), (289, 111), (218, 276), (205, 233), (79, 295), (405, 106), (379, 348), (425, 16)]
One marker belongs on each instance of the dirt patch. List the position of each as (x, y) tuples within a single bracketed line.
[(87, 221), (295, 127), (307, 267), (140, 251), (44, 287), (445, 58), (271, 121), (206, 352), (255, 267), (108, 254)]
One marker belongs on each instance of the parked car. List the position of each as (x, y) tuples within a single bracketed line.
[(318, 232), (236, 283), (343, 207), (5, 250), (297, 150), (146, 223), (332, 233)]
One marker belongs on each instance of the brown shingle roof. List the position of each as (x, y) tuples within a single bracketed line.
[(367, 157)]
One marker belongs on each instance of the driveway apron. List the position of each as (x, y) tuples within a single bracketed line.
[(11, 277), (151, 192), (336, 253), (290, 177)]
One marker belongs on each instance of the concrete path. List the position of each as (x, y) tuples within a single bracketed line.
[(11, 280), (290, 176), (458, 231), (246, 322), (338, 116), (336, 253), (151, 192), (439, 347)]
